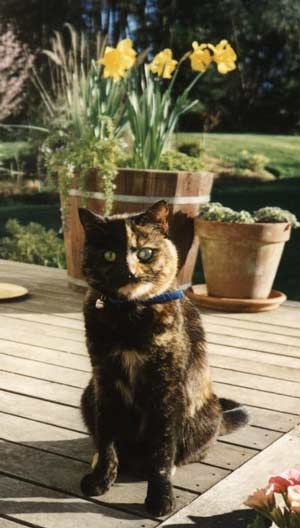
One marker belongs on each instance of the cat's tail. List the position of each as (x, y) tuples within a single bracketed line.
[(234, 416)]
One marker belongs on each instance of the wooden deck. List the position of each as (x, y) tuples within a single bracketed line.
[(45, 449)]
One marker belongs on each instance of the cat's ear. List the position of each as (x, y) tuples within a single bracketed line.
[(89, 220), (158, 214)]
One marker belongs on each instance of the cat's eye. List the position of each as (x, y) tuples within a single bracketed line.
[(110, 256), (145, 254)]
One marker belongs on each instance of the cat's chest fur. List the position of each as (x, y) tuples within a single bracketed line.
[(127, 331)]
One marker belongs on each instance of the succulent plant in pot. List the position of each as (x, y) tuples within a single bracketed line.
[(241, 251)]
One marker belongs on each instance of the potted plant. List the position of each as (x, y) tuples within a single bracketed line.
[(241, 251), (126, 105)]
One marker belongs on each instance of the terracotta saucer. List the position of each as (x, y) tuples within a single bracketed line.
[(11, 291), (198, 294)]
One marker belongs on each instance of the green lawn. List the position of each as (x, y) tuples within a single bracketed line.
[(283, 151)]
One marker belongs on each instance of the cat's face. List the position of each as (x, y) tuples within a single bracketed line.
[(129, 255)]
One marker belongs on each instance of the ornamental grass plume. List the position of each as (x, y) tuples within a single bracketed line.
[(285, 486)]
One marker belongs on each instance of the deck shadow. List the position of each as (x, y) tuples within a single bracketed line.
[(52, 469), (235, 519)]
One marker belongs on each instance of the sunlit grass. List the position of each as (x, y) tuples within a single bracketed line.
[(283, 151)]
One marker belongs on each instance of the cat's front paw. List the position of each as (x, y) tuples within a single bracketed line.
[(160, 499), (92, 486)]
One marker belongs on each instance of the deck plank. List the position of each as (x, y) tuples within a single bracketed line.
[(12, 321), (261, 398), (7, 522), (214, 508), (64, 474), (253, 344), (257, 356), (234, 322), (253, 335), (37, 388), (283, 317), (42, 411), (259, 382), (44, 365), (47, 508), (49, 319), (45, 355), (34, 369), (22, 336), (195, 477)]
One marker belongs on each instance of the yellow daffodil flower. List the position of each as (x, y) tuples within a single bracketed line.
[(201, 57), (117, 61), (163, 64), (224, 56)]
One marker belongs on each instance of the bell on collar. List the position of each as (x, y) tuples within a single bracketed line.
[(99, 304)]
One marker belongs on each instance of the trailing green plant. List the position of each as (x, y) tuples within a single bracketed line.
[(33, 244), (217, 212), (70, 157), (171, 160)]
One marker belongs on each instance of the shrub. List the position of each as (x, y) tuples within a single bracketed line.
[(194, 149), (253, 162), (33, 244)]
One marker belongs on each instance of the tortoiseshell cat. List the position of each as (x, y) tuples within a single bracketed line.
[(149, 405)]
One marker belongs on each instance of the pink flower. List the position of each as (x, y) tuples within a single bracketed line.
[(294, 498), (260, 499), (280, 483)]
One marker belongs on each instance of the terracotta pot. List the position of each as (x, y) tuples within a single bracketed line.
[(135, 191), (241, 260)]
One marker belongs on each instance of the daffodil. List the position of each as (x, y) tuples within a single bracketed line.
[(224, 56), (201, 57), (163, 64), (117, 61)]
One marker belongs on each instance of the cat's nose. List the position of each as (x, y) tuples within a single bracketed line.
[(127, 276)]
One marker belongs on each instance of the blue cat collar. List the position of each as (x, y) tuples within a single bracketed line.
[(158, 299)]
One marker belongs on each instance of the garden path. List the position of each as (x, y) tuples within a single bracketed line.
[(45, 449)]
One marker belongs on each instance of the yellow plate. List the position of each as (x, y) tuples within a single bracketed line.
[(11, 291)]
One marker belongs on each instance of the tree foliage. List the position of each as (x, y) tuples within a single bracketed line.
[(262, 95)]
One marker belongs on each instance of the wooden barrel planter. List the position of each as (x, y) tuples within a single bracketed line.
[(137, 189)]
